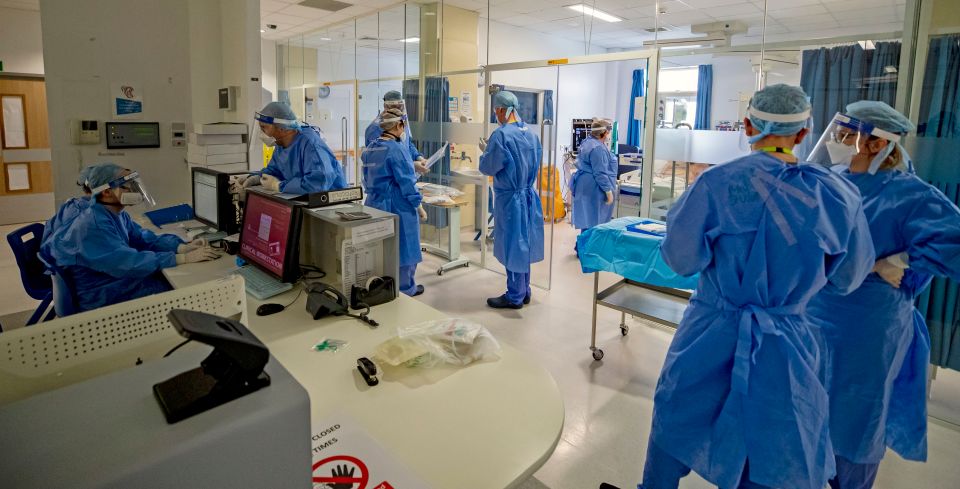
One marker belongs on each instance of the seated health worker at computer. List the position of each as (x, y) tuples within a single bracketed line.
[(103, 256), (302, 162)]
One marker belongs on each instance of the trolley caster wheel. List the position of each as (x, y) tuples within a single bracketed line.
[(598, 354), (624, 330), (440, 272)]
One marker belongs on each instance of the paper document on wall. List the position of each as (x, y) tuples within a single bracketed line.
[(359, 263), (436, 156), (14, 125), (374, 231), (345, 455)]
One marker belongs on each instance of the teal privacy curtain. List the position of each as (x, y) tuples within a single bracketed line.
[(881, 81), (832, 79), (704, 96), (633, 126), (835, 77), (436, 110), (936, 159)]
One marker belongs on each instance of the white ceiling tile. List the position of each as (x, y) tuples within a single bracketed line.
[(304, 12), (785, 14), (686, 18), (268, 6), (281, 19), (702, 4), (773, 5), (674, 6), (728, 12)]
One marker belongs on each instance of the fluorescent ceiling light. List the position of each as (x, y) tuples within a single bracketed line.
[(583, 9), (681, 46), (324, 38), (263, 30), (411, 39), (890, 69)]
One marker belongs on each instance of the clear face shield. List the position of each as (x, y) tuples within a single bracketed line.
[(846, 137), (264, 125), (133, 191)]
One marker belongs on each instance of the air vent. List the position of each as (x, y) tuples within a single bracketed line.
[(328, 5), (367, 38), (658, 29)]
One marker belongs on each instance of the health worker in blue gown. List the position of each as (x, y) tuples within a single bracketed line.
[(302, 162), (69, 209), (875, 344), (512, 157), (739, 400), (103, 256), (596, 178), (390, 182), (393, 100)]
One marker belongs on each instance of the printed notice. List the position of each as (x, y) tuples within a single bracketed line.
[(345, 456), (360, 263), (374, 231)]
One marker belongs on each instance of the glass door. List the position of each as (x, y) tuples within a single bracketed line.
[(558, 98), (536, 90), (331, 107)]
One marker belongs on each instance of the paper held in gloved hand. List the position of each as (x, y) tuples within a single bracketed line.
[(436, 156)]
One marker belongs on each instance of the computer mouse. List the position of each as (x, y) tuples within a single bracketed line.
[(269, 308)]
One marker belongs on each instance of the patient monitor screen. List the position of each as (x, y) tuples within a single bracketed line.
[(266, 230)]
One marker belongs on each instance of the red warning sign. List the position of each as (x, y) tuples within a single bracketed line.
[(342, 470)]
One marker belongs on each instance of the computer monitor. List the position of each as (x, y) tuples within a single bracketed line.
[(270, 235), (581, 129), (213, 204)]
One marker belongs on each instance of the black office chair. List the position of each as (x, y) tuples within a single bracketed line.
[(25, 243)]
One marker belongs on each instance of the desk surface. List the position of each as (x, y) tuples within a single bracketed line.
[(487, 425)]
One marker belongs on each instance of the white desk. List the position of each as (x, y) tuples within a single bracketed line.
[(487, 425)]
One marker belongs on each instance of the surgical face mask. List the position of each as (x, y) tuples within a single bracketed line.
[(840, 153), (128, 198), (403, 135), (269, 141)]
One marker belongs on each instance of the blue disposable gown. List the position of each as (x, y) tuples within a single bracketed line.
[(875, 345), (596, 175), (106, 258), (307, 165), (512, 158), (65, 214), (390, 182), (374, 132), (740, 378)]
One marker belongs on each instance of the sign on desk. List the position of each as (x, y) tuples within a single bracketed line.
[(345, 456)]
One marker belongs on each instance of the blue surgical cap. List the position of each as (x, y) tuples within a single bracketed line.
[(880, 115), (84, 175), (505, 99), (278, 113), (392, 95), (101, 174), (775, 101)]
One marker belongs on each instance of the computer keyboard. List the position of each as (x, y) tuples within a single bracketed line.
[(261, 285)]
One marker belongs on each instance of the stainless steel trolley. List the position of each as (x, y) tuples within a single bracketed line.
[(662, 305)]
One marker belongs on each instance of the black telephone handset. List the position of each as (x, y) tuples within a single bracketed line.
[(324, 300)]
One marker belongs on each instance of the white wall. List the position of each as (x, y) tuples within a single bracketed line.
[(21, 44), (732, 75), (268, 67), (179, 51), (87, 46)]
